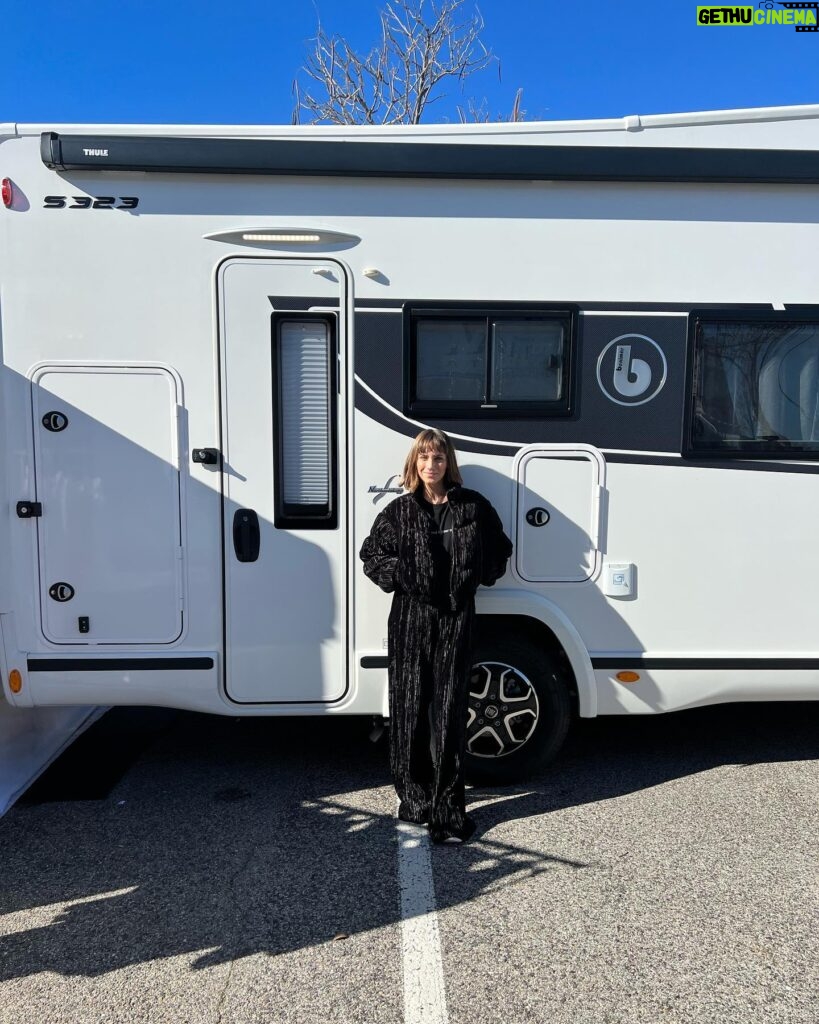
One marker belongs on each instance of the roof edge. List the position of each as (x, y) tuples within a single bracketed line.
[(629, 123)]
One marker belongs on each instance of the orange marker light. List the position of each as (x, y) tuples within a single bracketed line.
[(628, 677), (15, 681)]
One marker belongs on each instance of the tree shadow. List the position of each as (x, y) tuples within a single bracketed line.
[(230, 837), (613, 756)]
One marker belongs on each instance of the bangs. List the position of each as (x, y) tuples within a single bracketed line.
[(429, 441)]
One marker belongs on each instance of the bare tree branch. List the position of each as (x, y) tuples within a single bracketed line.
[(424, 44), (479, 112)]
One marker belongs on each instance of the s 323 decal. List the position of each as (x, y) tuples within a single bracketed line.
[(90, 203)]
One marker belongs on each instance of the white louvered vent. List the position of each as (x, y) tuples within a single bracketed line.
[(304, 360)]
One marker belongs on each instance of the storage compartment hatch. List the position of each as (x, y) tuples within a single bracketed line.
[(107, 478), (558, 513)]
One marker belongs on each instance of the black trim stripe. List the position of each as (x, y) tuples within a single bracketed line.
[(635, 662), (366, 305), (119, 664), (365, 403), (369, 406), (300, 303), (375, 661), (631, 662), (746, 463), (538, 162)]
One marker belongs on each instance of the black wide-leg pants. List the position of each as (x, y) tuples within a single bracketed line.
[(430, 656)]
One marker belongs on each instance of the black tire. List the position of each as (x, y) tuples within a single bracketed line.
[(508, 740)]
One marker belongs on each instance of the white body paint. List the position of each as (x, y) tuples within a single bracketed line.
[(150, 327)]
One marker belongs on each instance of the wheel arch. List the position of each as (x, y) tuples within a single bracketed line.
[(542, 621)]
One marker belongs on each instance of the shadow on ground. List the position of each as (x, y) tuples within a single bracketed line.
[(174, 833)]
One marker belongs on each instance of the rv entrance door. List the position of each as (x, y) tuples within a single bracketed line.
[(282, 345)]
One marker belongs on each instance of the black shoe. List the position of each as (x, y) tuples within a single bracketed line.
[(414, 819), (452, 835)]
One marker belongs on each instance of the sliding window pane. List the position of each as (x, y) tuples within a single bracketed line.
[(450, 360), (527, 361)]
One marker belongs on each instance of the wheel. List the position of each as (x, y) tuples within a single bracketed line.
[(520, 709)]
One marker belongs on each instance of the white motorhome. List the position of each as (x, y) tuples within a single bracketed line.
[(218, 342)]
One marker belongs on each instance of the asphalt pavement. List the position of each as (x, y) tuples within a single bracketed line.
[(186, 868)]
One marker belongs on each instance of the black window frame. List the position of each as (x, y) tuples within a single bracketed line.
[(413, 312), (801, 314), (288, 515)]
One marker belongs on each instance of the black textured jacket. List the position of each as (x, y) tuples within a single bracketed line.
[(398, 557)]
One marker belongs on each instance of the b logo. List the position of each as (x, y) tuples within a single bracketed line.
[(631, 377), (631, 369)]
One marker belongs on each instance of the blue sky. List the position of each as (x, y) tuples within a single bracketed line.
[(234, 62)]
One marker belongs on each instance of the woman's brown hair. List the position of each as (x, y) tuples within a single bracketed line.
[(435, 440)]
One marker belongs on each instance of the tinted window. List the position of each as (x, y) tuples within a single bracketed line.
[(756, 386), (488, 363)]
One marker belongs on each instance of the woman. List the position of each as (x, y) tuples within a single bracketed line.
[(432, 547)]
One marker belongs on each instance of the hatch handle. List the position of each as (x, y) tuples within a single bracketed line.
[(246, 537), (538, 516)]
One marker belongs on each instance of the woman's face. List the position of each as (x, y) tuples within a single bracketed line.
[(431, 466)]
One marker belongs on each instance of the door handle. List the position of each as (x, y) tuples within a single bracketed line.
[(207, 456), (246, 538)]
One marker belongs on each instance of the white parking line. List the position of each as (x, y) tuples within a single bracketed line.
[(423, 968)]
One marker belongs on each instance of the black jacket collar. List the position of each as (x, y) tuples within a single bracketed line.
[(453, 494)]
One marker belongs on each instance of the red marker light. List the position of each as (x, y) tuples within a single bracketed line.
[(7, 192)]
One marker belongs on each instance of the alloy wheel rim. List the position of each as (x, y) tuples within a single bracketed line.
[(503, 710)]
